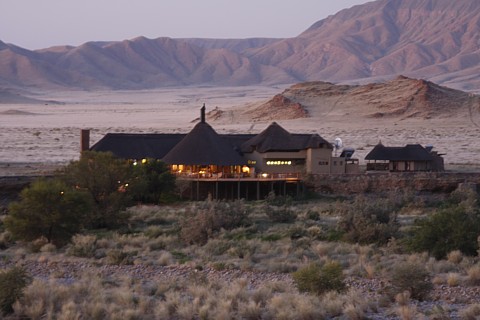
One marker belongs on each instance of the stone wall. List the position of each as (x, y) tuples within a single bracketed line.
[(381, 182)]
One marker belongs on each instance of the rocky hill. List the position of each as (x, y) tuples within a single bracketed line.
[(437, 40), (401, 98)]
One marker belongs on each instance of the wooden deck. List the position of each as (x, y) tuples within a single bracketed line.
[(199, 187)]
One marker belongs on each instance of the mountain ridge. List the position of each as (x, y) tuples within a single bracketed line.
[(438, 40)]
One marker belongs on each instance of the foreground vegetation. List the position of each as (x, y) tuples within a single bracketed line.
[(322, 258)]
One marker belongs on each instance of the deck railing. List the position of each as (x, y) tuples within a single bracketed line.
[(237, 176)]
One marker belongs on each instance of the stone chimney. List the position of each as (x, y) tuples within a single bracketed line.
[(85, 140), (202, 114)]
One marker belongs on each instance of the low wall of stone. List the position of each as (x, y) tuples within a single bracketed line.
[(442, 182)]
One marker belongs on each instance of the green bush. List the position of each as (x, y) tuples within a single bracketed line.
[(50, 209), (411, 277), (152, 182), (106, 179), (319, 280), (12, 284), (447, 230)]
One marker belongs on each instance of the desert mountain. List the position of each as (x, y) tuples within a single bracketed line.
[(398, 99), (437, 40)]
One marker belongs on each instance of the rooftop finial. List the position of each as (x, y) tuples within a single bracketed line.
[(202, 114)]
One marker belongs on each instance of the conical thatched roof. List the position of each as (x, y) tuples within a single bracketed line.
[(276, 138), (203, 146)]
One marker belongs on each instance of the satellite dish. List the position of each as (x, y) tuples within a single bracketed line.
[(338, 144)]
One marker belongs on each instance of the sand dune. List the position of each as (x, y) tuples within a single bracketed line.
[(54, 136)]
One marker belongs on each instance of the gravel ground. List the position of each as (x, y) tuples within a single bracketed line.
[(450, 299)]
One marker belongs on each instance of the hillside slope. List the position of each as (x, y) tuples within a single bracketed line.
[(437, 40)]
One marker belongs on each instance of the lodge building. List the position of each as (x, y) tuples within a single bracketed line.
[(202, 155)]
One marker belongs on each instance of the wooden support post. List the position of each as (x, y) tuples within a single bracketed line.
[(238, 190), (216, 190), (258, 190), (198, 190), (191, 190)]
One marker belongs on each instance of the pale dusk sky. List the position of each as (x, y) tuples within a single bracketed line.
[(36, 24)]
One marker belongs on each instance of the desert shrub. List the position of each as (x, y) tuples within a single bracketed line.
[(472, 312), (278, 209), (320, 279), (412, 277), (5, 239), (83, 246), (449, 229), (120, 257), (50, 209), (282, 214), (152, 182), (368, 221), (473, 275), (106, 179), (12, 284), (202, 220)]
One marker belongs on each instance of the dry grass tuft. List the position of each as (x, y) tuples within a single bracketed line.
[(453, 279), (471, 312), (455, 256), (473, 275)]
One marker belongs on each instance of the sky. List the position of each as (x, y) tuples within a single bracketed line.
[(36, 24)]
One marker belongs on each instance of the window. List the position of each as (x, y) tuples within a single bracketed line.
[(323, 163), (279, 163)]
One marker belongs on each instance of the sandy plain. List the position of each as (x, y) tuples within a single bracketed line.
[(49, 134)]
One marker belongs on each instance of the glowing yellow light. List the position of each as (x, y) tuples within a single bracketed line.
[(264, 175), (61, 192), (144, 161), (135, 162), (245, 169)]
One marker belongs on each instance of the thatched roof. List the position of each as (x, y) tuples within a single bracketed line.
[(203, 146), (138, 146), (276, 138), (410, 152)]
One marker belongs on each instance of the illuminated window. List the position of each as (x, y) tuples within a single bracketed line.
[(252, 162), (279, 163)]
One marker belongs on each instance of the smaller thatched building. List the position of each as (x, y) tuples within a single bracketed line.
[(410, 158)]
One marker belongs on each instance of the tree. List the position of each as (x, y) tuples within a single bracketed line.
[(152, 182), (105, 178), (48, 208)]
